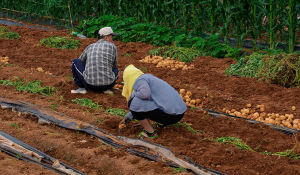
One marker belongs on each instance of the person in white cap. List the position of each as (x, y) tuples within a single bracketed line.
[(96, 68)]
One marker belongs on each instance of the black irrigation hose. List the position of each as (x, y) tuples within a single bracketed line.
[(46, 158), (28, 108), (202, 167), (285, 130)]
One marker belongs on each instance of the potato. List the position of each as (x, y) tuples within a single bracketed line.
[(255, 115), (189, 93), (296, 121), (186, 97), (289, 120), (263, 115), (182, 90), (272, 116), (248, 105), (272, 121), (262, 109), (246, 111), (277, 122), (244, 115), (198, 101), (277, 115), (295, 127), (282, 117), (232, 110), (293, 108), (252, 111), (258, 106), (192, 102), (224, 110)]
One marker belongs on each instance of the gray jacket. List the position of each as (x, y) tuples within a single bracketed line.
[(151, 93)]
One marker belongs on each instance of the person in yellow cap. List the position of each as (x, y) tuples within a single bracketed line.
[(151, 98)]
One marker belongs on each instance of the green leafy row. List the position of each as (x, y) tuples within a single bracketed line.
[(132, 31), (31, 87), (238, 142), (60, 42), (7, 34)]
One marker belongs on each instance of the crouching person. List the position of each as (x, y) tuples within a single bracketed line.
[(96, 68), (150, 98)]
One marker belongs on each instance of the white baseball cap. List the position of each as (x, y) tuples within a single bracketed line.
[(107, 31)]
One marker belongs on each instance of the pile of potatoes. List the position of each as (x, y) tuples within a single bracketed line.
[(4, 60), (258, 113), (189, 101), (168, 63)]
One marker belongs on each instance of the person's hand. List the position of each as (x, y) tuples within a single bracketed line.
[(124, 123)]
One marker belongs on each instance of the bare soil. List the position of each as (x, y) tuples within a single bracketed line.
[(87, 154)]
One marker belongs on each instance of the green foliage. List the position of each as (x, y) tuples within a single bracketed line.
[(186, 47), (238, 18), (188, 127), (143, 69), (31, 87), (179, 170), (127, 54), (280, 69), (60, 42), (116, 111), (287, 153), (36, 88), (14, 125), (233, 140), (87, 102), (6, 33), (178, 53), (19, 155)]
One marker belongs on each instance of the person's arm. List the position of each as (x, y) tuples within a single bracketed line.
[(115, 64), (142, 91), (83, 56), (129, 115)]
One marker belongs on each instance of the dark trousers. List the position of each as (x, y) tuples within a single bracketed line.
[(158, 116), (77, 68)]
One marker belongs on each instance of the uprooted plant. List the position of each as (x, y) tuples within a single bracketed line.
[(280, 69), (60, 42)]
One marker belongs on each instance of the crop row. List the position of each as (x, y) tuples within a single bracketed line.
[(232, 18)]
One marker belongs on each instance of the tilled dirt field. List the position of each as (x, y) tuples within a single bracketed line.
[(85, 153)]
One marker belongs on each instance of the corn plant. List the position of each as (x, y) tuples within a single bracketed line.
[(236, 18), (289, 20)]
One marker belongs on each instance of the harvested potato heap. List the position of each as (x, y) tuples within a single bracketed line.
[(258, 113), (187, 97), (168, 63), (4, 60)]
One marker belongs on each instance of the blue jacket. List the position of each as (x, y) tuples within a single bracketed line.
[(152, 93)]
